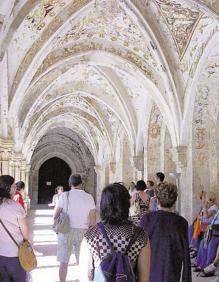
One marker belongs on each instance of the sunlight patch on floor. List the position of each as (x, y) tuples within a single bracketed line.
[(45, 244)]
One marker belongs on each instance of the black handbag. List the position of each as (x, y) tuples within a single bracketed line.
[(215, 230), (212, 229)]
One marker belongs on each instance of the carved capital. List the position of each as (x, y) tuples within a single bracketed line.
[(98, 169), (179, 156), (137, 162), (6, 148)]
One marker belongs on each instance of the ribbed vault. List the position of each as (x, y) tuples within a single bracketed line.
[(99, 82)]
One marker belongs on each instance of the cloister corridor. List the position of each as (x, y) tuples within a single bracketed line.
[(44, 242)]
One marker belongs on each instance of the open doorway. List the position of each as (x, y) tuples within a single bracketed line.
[(52, 173)]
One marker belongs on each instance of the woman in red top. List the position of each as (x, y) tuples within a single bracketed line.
[(18, 194)]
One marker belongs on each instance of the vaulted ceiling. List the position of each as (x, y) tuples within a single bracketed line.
[(96, 68)]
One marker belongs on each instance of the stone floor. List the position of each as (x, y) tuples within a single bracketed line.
[(44, 241)]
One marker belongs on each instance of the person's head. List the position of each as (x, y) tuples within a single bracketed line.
[(20, 185), (166, 194), (59, 189), (140, 185), (114, 204), (150, 184), (211, 198), (132, 186), (75, 180), (7, 187), (160, 177)]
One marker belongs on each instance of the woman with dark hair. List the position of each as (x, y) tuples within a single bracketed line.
[(168, 234), (12, 215), (139, 202), (114, 212), (18, 194)]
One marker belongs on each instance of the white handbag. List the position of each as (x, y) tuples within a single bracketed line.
[(62, 222)]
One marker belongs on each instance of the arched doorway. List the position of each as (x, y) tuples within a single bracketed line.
[(52, 173)]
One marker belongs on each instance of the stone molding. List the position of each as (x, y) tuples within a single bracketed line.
[(137, 162), (112, 166), (179, 156)]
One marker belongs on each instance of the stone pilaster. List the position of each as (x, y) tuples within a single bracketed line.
[(100, 171), (17, 161), (5, 152), (112, 171), (137, 163), (182, 177), (179, 156), (26, 180)]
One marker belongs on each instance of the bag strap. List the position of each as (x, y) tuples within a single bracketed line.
[(103, 231), (12, 238), (131, 242), (214, 218)]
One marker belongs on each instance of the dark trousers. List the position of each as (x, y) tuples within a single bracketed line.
[(11, 270)]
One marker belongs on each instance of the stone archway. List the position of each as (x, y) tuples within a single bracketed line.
[(52, 173)]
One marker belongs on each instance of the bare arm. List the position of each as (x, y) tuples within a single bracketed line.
[(92, 217), (24, 227), (144, 196), (57, 212), (85, 263), (53, 201), (143, 263), (205, 210), (133, 198), (207, 214)]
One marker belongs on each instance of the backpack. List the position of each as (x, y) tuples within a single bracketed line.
[(116, 267)]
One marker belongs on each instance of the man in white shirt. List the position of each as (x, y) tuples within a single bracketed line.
[(81, 210)]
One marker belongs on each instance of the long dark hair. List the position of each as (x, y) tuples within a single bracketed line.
[(114, 204), (5, 186)]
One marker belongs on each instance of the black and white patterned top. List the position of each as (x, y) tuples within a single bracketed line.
[(119, 236)]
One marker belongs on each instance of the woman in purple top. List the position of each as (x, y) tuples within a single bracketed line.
[(168, 234)]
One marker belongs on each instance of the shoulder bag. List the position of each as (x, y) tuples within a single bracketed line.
[(26, 254), (62, 222)]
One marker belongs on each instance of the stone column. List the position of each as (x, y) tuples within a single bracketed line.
[(112, 171), (26, 179), (17, 159), (17, 174), (182, 176), (4, 96), (100, 171), (137, 163), (22, 172), (5, 162), (11, 168), (5, 149)]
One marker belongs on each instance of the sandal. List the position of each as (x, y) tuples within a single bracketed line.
[(193, 254), (206, 274), (210, 268), (197, 269)]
